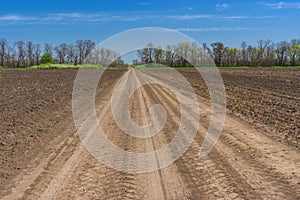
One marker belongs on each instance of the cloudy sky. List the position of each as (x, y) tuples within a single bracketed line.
[(230, 21)]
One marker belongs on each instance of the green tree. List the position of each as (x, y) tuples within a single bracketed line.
[(232, 56), (46, 58), (294, 51)]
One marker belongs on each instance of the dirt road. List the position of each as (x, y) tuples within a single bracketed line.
[(246, 163)]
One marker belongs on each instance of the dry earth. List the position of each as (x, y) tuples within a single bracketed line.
[(256, 157)]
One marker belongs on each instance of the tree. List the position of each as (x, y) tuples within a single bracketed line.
[(244, 55), (81, 49), (10, 57), (205, 47), (158, 55), (295, 51), (88, 46), (101, 56), (282, 52), (48, 48), (264, 53), (183, 50), (147, 54), (46, 58), (218, 51), (72, 54), (232, 56), (170, 55), (30, 55), (84, 48), (21, 53), (61, 52), (3, 48), (37, 53)]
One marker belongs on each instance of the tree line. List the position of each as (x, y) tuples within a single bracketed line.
[(266, 53), (182, 54), (22, 54)]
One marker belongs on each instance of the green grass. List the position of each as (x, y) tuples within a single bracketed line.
[(5, 68), (63, 66), (283, 67), (165, 67), (157, 66), (56, 66), (236, 67)]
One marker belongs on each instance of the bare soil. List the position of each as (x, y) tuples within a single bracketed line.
[(256, 157)]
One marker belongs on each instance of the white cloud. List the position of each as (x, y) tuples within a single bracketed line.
[(218, 29), (235, 17), (70, 15), (246, 17), (189, 17), (77, 18), (221, 7), (14, 18), (65, 18), (283, 5)]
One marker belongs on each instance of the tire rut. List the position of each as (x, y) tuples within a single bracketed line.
[(209, 169)]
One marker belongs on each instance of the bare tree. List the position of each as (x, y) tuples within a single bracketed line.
[(21, 53), (205, 47), (72, 54), (183, 50), (158, 55), (269, 54), (37, 53), (61, 52), (81, 48), (170, 55), (264, 53), (282, 53), (218, 51), (3, 49), (30, 55), (147, 54), (103, 57), (88, 47), (243, 53), (10, 57), (48, 48)]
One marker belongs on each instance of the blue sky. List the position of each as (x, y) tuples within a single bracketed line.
[(230, 21)]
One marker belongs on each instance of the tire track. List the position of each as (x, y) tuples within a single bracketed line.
[(114, 184), (280, 188), (207, 170)]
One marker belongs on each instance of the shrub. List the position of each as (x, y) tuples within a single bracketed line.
[(46, 58)]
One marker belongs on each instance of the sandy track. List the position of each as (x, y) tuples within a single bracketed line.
[(245, 164)]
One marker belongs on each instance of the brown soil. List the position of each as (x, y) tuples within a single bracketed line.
[(266, 98), (257, 156)]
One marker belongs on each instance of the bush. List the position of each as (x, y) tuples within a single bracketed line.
[(46, 58)]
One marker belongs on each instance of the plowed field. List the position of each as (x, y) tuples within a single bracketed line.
[(256, 157)]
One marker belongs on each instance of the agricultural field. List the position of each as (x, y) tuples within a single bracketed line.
[(256, 157)]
